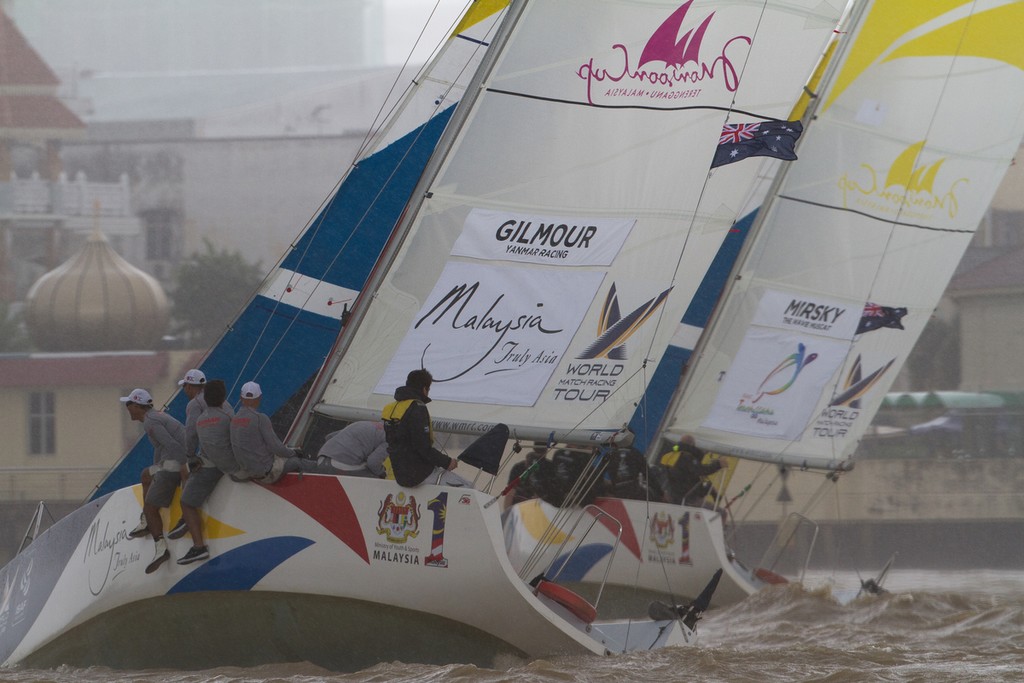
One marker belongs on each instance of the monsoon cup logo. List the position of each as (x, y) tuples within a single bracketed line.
[(909, 188), (670, 66)]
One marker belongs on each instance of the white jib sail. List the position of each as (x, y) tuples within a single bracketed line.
[(911, 140), (574, 215)]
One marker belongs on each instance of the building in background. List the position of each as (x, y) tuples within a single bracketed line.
[(42, 210)]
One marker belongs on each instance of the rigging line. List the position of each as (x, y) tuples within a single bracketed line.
[(570, 506), (380, 119), (438, 107), (408, 58), (753, 504), (321, 214), (427, 69), (877, 218)]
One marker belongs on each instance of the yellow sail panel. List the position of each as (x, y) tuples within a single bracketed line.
[(993, 34), (887, 23), (480, 10)]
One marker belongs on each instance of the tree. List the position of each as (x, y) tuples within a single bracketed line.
[(210, 289)]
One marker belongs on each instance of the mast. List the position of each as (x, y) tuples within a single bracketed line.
[(387, 257)]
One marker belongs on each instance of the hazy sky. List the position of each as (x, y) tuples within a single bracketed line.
[(406, 18)]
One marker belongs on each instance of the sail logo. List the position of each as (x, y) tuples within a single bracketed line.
[(837, 420), (857, 384), (670, 65), (779, 379), (595, 381), (908, 188), (398, 520), (614, 330)]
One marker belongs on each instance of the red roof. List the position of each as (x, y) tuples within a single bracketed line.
[(36, 112), (19, 63), (119, 370), (1002, 272)]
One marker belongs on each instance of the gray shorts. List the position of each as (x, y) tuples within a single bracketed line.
[(161, 488), (200, 485)]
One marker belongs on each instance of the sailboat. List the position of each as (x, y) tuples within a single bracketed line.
[(916, 122), (570, 184)]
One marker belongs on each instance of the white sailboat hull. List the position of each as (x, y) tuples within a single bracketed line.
[(668, 550), (423, 566)]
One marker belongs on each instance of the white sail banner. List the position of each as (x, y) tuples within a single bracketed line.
[(511, 236), (481, 322), (815, 314), (774, 384)]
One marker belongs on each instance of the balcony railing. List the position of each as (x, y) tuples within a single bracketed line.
[(79, 197)]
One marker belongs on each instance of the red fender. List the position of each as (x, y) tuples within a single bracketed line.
[(769, 576), (573, 602)]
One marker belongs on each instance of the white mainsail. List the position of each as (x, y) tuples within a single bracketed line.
[(573, 217), (915, 129)]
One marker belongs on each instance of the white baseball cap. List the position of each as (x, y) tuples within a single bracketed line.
[(193, 376), (251, 390), (138, 396)]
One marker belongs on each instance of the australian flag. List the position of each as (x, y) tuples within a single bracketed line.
[(876, 317), (766, 138)]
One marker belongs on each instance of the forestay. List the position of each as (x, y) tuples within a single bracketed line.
[(573, 217), (921, 118)]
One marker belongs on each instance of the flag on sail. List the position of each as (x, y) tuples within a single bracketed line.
[(771, 138), (876, 317)]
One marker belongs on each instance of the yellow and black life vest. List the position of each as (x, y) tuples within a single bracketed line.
[(392, 415)]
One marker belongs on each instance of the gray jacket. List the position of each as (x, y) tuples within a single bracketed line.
[(359, 445)]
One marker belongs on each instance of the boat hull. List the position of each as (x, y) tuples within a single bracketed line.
[(670, 551), (391, 574)]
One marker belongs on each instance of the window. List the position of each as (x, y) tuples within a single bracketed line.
[(42, 437), (1007, 228)]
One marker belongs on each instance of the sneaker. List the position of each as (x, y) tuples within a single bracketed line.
[(141, 530), (161, 556), (179, 530), (195, 554)]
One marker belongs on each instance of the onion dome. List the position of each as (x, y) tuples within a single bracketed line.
[(96, 301)]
